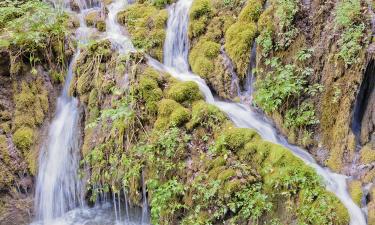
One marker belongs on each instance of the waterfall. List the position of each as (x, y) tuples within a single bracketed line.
[(175, 62), (58, 187)]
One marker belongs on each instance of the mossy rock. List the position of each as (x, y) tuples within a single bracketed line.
[(171, 113), (367, 154), (184, 92), (206, 115), (146, 24), (23, 138), (4, 153), (150, 92), (94, 19), (238, 42), (237, 138), (202, 57), (355, 190), (200, 8)]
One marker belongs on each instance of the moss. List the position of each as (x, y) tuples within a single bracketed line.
[(179, 116), (184, 92), (200, 8), (92, 18), (367, 154), (4, 154), (31, 104), (226, 174), (101, 25), (238, 42), (251, 11), (23, 138), (236, 138), (202, 55), (171, 113), (150, 92), (206, 115), (231, 187), (218, 161), (145, 23), (355, 190)]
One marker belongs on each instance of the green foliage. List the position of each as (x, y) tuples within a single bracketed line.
[(279, 85), (285, 12), (23, 138), (347, 17), (164, 199), (347, 13), (350, 44), (29, 27), (250, 203), (302, 116)]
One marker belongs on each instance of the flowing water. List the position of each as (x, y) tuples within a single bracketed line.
[(176, 51), (59, 197)]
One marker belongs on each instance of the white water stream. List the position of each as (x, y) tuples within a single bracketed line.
[(176, 63)]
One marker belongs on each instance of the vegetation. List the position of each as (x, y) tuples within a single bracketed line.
[(240, 36), (146, 23), (348, 20), (35, 31), (198, 168)]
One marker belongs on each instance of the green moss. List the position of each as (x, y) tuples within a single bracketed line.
[(367, 155), (150, 92), (206, 115), (200, 8), (146, 24), (171, 113), (355, 190), (236, 138), (23, 138), (238, 42), (251, 11), (202, 55), (4, 154), (226, 174), (199, 14), (179, 116), (31, 104), (184, 92)]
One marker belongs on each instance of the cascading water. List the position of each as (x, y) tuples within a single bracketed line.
[(58, 187), (175, 62), (60, 191)]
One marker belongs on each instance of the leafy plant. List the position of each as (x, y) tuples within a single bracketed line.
[(164, 201), (301, 116), (279, 85)]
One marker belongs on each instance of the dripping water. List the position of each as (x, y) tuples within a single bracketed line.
[(175, 63)]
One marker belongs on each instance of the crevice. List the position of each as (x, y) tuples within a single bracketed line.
[(363, 98)]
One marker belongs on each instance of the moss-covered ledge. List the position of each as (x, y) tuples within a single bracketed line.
[(146, 26), (198, 167)]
